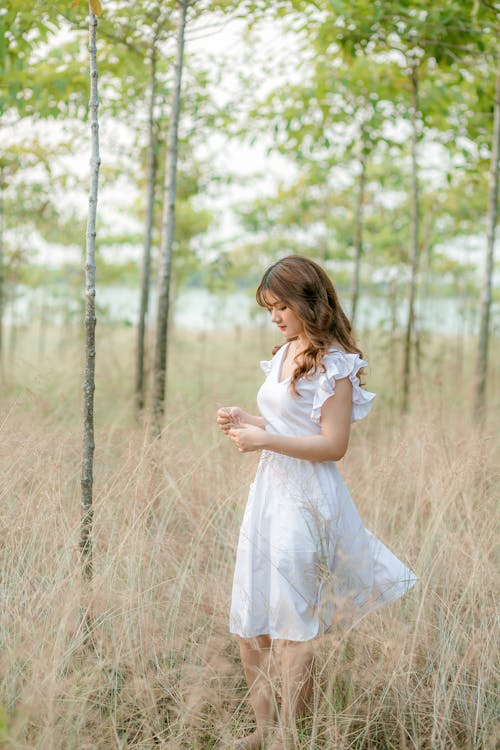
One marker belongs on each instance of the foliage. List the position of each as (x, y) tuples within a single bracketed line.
[(348, 101)]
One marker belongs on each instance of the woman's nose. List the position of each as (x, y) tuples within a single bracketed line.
[(275, 316)]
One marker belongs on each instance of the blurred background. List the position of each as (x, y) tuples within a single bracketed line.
[(362, 134)]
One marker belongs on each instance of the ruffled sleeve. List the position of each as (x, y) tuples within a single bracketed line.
[(265, 365), (342, 365)]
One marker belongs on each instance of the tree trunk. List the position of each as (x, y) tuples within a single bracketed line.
[(14, 329), (358, 237), (461, 331), (42, 331), (484, 325), (414, 238), (167, 231), (90, 319), (148, 231), (393, 334), (2, 273)]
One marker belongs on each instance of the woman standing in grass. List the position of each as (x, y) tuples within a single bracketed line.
[(305, 563)]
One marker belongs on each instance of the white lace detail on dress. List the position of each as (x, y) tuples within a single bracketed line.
[(342, 365)]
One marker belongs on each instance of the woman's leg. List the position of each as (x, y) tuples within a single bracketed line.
[(297, 659), (256, 656)]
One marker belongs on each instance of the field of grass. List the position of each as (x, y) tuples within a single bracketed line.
[(162, 671)]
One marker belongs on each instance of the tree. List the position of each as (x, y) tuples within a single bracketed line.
[(148, 232), (167, 228), (87, 475), (485, 310), (155, 25), (2, 263)]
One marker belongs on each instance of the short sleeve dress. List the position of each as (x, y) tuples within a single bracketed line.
[(305, 563)]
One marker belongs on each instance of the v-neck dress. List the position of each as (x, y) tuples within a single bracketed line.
[(305, 562)]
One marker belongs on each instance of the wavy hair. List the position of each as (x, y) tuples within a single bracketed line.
[(304, 287)]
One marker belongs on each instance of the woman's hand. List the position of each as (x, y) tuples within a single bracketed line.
[(229, 417), (248, 438)]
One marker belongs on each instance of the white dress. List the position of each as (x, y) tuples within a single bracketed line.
[(305, 562)]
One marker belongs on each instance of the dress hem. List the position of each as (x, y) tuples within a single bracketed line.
[(376, 605)]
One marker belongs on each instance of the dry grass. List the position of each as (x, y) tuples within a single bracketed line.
[(162, 671)]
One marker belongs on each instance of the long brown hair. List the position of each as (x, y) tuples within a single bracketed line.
[(304, 287)]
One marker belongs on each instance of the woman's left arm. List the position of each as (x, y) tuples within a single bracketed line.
[(331, 445)]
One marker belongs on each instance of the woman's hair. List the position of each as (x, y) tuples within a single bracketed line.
[(304, 287)]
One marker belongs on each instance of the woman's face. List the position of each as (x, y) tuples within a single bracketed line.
[(284, 318)]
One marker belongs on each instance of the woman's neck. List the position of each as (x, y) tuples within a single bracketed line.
[(299, 344)]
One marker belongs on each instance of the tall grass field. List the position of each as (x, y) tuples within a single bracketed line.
[(160, 669)]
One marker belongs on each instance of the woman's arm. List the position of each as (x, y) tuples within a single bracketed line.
[(253, 420), (331, 445), (234, 416)]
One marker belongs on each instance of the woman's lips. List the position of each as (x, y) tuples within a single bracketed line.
[(282, 328)]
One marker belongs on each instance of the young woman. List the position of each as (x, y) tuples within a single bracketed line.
[(305, 562)]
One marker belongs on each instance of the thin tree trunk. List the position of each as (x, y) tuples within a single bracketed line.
[(414, 237), (42, 331), (424, 299), (2, 272), (394, 335), (90, 319), (167, 231), (148, 231), (461, 333), (484, 325), (358, 237), (14, 326)]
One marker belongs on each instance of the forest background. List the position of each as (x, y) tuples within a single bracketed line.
[(362, 134)]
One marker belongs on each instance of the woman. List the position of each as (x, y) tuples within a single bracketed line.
[(305, 562)]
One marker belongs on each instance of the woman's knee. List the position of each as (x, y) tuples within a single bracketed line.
[(257, 643)]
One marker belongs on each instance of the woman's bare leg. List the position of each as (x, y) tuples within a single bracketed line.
[(297, 659), (257, 656)]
